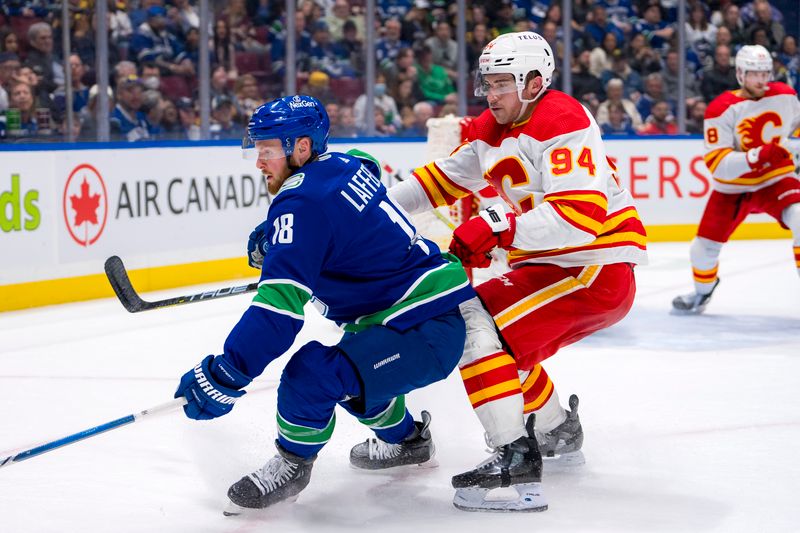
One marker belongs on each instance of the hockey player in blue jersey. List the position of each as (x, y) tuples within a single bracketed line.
[(333, 237)]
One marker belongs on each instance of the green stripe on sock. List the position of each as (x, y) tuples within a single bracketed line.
[(391, 416), (305, 434)]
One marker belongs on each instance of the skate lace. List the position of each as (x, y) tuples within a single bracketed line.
[(273, 474), (496, 451), (379, 449)]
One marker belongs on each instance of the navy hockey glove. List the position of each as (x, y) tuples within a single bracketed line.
[(257, 245), (212, 387)]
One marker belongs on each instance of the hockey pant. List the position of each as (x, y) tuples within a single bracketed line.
[(367, 373), (725, 212), (537, 309)]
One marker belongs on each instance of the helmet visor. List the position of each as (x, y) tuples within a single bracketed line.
[(498, 85), (262, 151)]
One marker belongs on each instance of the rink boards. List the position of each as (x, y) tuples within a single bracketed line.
[(180, 214)]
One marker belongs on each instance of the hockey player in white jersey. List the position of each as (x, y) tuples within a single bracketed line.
[(572, 235), (746, 135)]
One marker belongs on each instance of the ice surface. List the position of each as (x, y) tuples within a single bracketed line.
[(691, 423)]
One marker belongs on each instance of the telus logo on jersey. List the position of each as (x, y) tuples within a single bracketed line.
[(85, 205), (752, 129)]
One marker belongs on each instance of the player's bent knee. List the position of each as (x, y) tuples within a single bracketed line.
[(791, 218), (704, 252), (482, 338)]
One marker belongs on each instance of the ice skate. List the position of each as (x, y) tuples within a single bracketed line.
[(561, 447), (418, 449), (693, 303), (517, 466), (281, 479)]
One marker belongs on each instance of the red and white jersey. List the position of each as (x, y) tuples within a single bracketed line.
[(734, 124), (553, 172)]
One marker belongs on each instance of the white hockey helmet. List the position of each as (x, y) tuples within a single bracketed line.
[(752, 57), (518, 54)]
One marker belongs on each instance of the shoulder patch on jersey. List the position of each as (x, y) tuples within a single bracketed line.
[(556, 114), (292, 182), (323, 157), (777, 87), (721, 103)]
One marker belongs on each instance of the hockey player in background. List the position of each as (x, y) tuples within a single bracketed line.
[(746, 133), (573, 237), (333, 237)]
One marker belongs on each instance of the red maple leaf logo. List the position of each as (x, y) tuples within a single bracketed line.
[(85, 206)]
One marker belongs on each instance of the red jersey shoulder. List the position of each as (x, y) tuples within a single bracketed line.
[(777, 87), (721, 103), (556, 114), (484, 127)]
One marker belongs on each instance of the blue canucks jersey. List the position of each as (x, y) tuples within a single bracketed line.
[(336, 239)]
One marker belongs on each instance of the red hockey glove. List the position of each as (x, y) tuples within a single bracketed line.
[(473, 239), (769, 155)]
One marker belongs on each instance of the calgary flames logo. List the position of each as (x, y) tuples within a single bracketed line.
[(752, 129)]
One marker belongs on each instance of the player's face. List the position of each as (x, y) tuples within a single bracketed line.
[(755, 83), (272, 164), (501, 95)]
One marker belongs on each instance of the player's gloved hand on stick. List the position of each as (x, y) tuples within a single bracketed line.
[(211, 387), (257, 245), (474, 239), (771, 154)]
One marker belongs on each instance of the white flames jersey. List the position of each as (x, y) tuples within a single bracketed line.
[(553, 172), (733, 125)]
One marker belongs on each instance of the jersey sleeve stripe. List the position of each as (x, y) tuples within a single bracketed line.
[(715, 157), (276, 310), (283, 296), (758, 177), (291, 282), (432, 191)]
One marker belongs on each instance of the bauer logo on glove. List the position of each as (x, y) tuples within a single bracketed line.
[(474, 239)]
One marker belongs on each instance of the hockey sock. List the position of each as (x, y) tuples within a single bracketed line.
[(791, 218), (541, 398), (494, 390), (704, 254)]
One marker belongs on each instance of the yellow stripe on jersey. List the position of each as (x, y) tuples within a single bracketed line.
[(431, 188), (445, 183), (597, 199), (616, 220), (756, 180), (715, 157), (579, 218)]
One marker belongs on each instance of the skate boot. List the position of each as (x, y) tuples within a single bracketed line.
[(694, 303), (418, 449), (282, 478), (562, 446), (518, 466)]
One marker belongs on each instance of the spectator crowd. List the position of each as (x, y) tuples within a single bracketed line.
[(624, 64)]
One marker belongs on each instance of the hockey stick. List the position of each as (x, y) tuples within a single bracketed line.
[(128, 297), (91, 432)]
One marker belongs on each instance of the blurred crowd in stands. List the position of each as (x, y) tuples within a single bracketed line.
[(624, 65)]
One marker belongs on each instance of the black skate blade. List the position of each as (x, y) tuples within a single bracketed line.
[(523, 498)]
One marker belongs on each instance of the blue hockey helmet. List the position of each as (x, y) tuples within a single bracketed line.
[(288, 118)]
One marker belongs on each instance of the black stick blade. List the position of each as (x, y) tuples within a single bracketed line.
[(121, 283)]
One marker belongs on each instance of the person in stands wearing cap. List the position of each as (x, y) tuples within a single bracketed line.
[(319, 86), (223, 125), (152, 41), (188, 119), (127, 119)]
